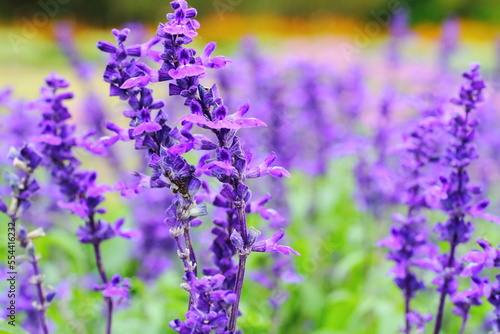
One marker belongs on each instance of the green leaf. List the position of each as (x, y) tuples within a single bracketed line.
[(5, 328)]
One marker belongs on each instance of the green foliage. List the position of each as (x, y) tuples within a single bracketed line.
[(108, 12), (345, 288), (8, 329)]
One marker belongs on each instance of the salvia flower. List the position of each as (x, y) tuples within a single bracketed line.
[(226, 161), (407, 241), (24, 186), (82, 195), (458, 193)]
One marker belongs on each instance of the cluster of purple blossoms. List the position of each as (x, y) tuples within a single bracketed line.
[(456, 192), (453, 194), (24, 186), (80, 192), (213, 298), (457, 203), (408, 241), (27, 297)]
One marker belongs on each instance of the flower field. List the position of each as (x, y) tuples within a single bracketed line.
[(331, 177)]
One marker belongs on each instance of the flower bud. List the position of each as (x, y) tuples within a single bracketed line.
[(19, 164), (236, 240), (36, 233), (253, 234)]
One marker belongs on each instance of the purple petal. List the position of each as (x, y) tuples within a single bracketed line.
[(47, 139), (146, 127), (278, 172), (189, 70), (218, 62), (249, 122), (141, 81), (285, 250), (76, 208), (474, 256), (209, 48)]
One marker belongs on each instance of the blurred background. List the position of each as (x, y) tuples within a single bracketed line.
[(341, 82), (107, 12), (28, 28)]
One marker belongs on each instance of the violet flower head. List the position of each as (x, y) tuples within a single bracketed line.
[(24, 186), (208, 314), (407, 241), (457, 194), (471, 93), (458, 157), (81, 193), (117, 288), (225, 161)]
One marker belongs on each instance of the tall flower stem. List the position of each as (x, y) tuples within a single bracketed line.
[(240, 275), (464, 321), (192, 254), (104, 277), (407, 302), (182, 255), (38, 279), (444, 288), (458, 219), (41, 296), (14, 215)]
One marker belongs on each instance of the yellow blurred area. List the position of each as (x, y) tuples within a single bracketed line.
[(25, 68), (225, 26), (469, 30), (215, 27)]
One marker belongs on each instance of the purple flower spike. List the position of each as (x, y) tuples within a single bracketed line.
[(213, 301), (80, 191), (460, 153)]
